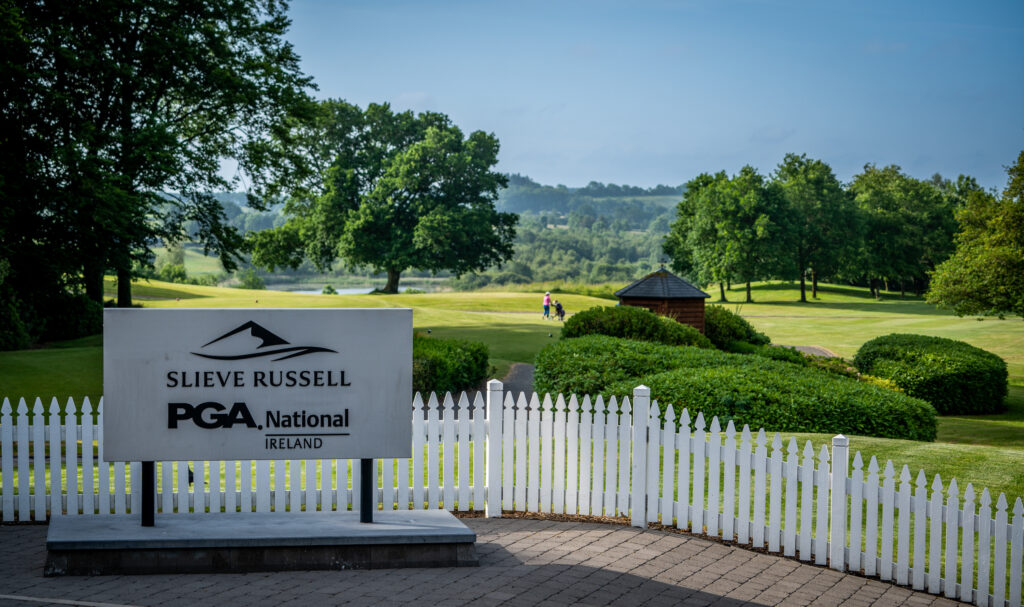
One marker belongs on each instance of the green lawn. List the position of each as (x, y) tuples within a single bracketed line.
[(843, 318), (986, 450)]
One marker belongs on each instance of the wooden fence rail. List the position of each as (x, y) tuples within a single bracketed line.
[(557, 454)]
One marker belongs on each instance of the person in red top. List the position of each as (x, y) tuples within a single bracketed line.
[(547, 305)]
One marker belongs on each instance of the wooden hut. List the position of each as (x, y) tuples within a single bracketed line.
[(664, 293)]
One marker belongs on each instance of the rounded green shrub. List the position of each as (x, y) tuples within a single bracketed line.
[(749, 390), (632, 322), (587, 364), (955, 377), (727, 330), (775, 397), (447, 365)]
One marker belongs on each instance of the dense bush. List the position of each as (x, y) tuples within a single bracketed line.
[(71, 316), (13, 335), (447, 365), (955, 377), (726, 330), (746, 389), (790, 355), (832, 364), (173, 272), (249, 279), (632, 322)]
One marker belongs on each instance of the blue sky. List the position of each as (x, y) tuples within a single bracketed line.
[(648, 92)]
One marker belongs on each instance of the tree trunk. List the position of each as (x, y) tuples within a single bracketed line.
[(749, 298), (124, 288), (392, 284), (721, 289), (803, 287), (903, 288), (728, 285), (885, 281), (814, 284), (874, 289)]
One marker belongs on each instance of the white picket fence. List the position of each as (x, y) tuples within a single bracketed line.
[(573, 456)]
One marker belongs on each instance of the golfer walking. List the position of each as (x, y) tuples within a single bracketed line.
[(547, 305)]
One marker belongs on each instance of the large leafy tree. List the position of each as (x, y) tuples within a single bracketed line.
[(821, 221), (749, 228), (693, 243), (130, 110), (908, 226), (391, 191), (727, 228), (985, 274)]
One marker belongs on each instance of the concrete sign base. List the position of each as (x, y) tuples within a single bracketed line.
[(219, 543)]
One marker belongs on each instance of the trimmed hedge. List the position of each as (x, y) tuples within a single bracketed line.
[(748, 390), (789, 355), (447, 365), (954, 376), (727, 330), (633, 323)]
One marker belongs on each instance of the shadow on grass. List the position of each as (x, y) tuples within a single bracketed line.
[(872, 307), (142, 290), (787, 295)]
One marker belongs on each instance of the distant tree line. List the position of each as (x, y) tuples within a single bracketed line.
[(525, 195), (884, 229), (587, 249)]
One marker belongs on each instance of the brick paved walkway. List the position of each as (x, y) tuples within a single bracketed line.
[(523, 562)]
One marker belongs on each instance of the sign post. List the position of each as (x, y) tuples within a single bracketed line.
[(257, 384), (367, 491), (148, 494)]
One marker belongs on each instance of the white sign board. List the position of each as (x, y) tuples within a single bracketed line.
[(256, 384)]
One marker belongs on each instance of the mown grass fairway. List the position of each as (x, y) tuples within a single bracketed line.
[(985, 450), (843, 318)]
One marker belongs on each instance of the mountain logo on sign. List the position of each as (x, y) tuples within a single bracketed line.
[(266, 338)]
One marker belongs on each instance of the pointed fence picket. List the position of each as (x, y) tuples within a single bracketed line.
[(625, 456), (507, 457), (479, 440), (571, 456), (598, 454), (586, 467)]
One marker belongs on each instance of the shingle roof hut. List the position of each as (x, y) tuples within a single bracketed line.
[(664, 293)]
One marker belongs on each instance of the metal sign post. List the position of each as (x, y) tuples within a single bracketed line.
[(367, 491), (148, 494)]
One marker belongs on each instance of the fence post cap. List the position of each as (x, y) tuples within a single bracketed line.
[(495, 384), (641, 390), (840, 441)]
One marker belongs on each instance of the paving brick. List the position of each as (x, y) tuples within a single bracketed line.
[(522, 562)]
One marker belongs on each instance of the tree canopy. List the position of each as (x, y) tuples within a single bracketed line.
[(819, 217), (908, 226), (117, 117), (985, 274), (399, 191)]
